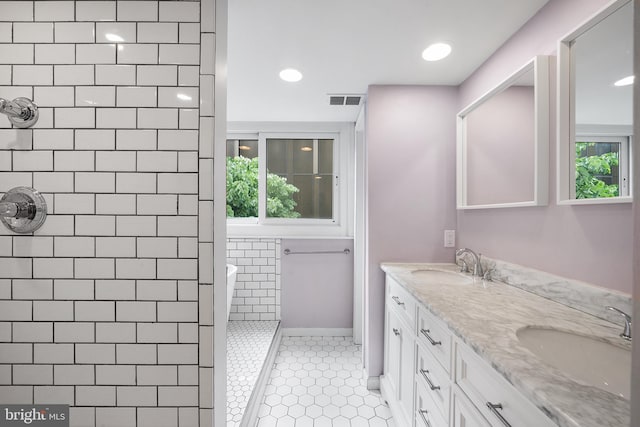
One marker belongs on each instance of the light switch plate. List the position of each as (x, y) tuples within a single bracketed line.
[(449, 238)]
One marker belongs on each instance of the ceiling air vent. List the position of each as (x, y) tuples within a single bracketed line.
[(345, 99)]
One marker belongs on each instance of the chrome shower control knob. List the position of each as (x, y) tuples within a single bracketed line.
[(23, 210)]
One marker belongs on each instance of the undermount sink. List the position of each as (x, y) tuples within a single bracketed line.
[(442, 277), (585, 359)]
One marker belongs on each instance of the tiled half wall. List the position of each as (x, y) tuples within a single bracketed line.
[(257, 291), (109, 306)]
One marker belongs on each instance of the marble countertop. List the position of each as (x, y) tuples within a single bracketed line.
[(486, 315)]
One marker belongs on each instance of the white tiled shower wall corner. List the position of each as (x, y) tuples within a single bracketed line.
[(257, 292), (109, 306)]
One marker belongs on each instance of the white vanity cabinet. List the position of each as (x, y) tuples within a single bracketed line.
[(433, 379)]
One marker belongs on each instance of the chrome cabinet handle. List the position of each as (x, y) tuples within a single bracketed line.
[(493, 407), (424, 373), (423, 413), (425, 332), (397, 300), (396, 332)]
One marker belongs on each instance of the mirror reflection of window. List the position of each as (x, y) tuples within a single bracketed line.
[(242, 178), (602, 167)]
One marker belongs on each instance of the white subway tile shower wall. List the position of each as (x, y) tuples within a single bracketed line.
[(257, 292), (108, 307)]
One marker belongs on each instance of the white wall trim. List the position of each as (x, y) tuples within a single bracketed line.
[(317, 332)]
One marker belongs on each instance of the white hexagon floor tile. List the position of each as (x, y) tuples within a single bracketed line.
[(318, 381), (248, 345)]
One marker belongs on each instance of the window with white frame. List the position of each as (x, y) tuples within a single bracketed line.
[(602, 166), (283, 178)]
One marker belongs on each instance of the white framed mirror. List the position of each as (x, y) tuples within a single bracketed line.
[(503, 143), (595, 108)]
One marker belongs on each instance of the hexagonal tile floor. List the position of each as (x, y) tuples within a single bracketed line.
[(318, 381), (248, 345)]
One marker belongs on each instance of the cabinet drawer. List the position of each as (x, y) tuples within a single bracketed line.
[(401, 301), (435, 336), (434, 379), (465, 414), (485, 387), (427, 413)]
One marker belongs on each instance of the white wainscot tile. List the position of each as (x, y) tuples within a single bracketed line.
[(74, 204), (72, 75), (33, 247), (115, 32), (16, 179), (156, 290), (55, 54), (152, 204), (175, 183), (157, 75), (45, 121), (116, 247), (6, 32), (187, 247), (189, 118), (207, 53), (95, 182), (53, 182), (115, 204), (137, 96), (116, 161), (96, 10), (135, 182), (178, 140), (115, 74), (73, 289), (53, 139), (5, 74), (32, 160), (96, 54), (157, 161), (180, 226), (157, 118), (137, 54), (57, 225), (188, 75), (33, 75), (116, 118), (16, 53), (157, 32), (186, 54), (116, 289), (54, 10), (95, 96), (95, 139), (116, 416), (136, 225), (184, 97), (55, 96), (74, 246), (137, 10), (139, 354), (188, 204), (115, 332), (16, 10), (74, 32), (136, 139), (94, 268), (189, 32), (74, 118), (136, 268), (47, 268), (206, 95), (32, 32), (157, 332), (89, 225), (179, 11), (188, 162)]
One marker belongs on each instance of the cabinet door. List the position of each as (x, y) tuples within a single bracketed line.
[(465, 414), (393, 353), (407, 369)]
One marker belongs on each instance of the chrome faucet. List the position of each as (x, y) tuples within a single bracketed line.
[(477, 266), (626, 334)]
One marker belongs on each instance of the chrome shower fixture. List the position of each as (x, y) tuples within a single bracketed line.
[(22, 112), (23, 210)]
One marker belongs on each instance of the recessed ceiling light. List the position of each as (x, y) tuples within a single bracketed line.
[(244, 148), (436, 52), (625, 82), (306, 149), (290, 75)]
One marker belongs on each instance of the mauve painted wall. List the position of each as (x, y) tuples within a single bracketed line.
[(500, 136), (591, 243), (411, 189), (316, 290)]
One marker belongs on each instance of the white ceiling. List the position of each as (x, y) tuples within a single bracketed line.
[(343, 46)]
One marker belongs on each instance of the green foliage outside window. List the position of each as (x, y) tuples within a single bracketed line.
[(242, 191), (588, 186)]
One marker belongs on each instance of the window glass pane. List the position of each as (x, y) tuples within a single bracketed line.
[(300, 176), (597, 169), (242, 178)]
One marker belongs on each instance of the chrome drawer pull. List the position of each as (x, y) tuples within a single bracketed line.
[(397, 300), (396, 332), (423, 413), (424, 373), (493, 407), (425, 332)]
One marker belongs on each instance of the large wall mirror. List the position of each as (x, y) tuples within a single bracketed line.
[(595, 108), (503, 143)]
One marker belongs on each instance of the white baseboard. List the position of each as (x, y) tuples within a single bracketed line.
[(373, 383), (317, 332)]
